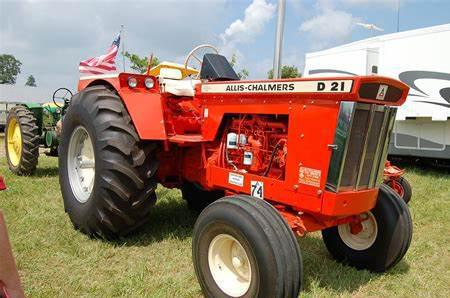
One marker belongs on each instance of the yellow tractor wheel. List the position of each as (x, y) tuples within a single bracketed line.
[(22, 141)]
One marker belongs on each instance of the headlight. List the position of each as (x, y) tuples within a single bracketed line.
[(149, 83), (132, 82)]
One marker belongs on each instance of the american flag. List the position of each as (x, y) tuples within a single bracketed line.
[(102, 64)]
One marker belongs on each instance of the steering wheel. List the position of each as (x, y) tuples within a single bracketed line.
[(196, 50), (63, 94)]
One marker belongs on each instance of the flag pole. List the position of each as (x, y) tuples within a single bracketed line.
[(123, 45)]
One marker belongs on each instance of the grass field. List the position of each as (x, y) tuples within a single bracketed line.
[(56, 260)]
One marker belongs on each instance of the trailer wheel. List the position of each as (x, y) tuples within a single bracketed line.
[(22, 141), (402, 187), (106, 172), (197, 198), (242, 247), (383, 240)]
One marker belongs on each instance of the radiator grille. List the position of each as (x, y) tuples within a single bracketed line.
[(374, 135), (359, 160), (355, 147)]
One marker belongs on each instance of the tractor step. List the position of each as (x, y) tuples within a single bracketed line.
[(181, 139)]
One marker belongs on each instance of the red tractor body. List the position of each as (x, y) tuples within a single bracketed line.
[(272, 116)]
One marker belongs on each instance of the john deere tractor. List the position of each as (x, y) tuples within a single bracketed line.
[(30, 126)]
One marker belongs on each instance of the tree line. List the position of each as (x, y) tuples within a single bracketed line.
[(10, 69)]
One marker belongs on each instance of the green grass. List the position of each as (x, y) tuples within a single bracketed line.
[(56, 260)]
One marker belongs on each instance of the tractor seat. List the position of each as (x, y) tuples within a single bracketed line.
[(178, 87)]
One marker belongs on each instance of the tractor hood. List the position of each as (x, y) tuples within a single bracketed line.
[(370, 89)]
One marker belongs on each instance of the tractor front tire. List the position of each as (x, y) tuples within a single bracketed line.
[(106, 172), (384, 239), (197, 198), (21, 141), (243, 247)]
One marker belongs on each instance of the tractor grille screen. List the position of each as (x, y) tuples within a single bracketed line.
[(374, 135), (363, 153), (355, 147)]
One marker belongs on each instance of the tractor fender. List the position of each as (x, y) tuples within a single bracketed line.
[(144, 106)]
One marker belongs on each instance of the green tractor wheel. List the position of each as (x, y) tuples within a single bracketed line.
[(22, 141)]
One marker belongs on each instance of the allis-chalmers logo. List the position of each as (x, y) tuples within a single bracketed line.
[(260, 87), (382, 92)]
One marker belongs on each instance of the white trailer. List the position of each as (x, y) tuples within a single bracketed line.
[(419, 58)]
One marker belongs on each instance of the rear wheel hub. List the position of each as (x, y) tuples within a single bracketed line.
[(14, 139), (81, 164)]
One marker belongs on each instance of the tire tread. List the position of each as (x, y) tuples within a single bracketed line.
[(30, 141), (125, 192)]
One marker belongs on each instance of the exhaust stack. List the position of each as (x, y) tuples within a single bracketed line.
[(279, 39)]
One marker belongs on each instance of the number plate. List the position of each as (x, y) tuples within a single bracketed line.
[(257, 189)]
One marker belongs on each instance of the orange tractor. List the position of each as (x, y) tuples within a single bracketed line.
[(264, 162)]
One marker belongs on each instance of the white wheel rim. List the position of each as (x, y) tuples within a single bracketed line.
[(362, 240), (229, 265), (81, 164)]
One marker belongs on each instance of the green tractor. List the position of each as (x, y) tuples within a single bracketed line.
[(30, 126)]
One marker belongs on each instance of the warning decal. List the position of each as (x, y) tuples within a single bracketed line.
[(309, 176), (236, 179)]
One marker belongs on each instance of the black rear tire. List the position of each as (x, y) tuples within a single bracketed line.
[(197, 198), (124, 184), (270, 244), (393, 237), (30, 141)]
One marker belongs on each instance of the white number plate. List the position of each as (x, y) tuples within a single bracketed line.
[(257, 189)]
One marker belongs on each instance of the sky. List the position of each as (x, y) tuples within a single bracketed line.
[(50, 37)]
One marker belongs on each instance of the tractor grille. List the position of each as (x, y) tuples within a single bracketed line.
[(362, 138)]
